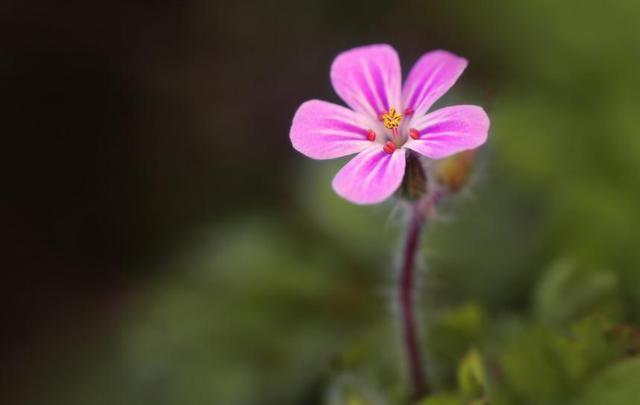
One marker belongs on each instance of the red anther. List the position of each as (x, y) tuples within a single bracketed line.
[(409, 111), (371, 135), (381, 116), (389, 147), (413, 133)]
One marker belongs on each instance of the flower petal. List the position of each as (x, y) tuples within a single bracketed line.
[(450, 130), (371, 177), (368, 78), (323, 130), (431, 77)]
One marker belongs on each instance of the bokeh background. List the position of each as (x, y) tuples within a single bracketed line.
[(165, 244)]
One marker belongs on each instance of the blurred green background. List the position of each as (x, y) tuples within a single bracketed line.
[(166, 245)]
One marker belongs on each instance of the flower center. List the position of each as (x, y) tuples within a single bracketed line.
[(391, 119)]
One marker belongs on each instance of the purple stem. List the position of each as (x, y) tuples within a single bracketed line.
[(406, 286), (421, 211)]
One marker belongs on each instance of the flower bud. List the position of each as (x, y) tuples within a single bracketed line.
[(454, 171), (414, 182)]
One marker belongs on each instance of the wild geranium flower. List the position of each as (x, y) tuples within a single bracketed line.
[(385, 119)]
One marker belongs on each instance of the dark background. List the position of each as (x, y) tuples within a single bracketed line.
[(165, 244)]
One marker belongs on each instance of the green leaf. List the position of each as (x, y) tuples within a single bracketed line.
[(616, 385), (539, 365), (450, 338), (471, 376), (442, 399), (348, 389), (567, 293)]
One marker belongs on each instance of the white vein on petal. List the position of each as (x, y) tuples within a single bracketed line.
[(372, 88)]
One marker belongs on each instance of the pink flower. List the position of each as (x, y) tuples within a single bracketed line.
[(385, 120)]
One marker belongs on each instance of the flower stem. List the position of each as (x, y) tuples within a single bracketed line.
[(406, 287)]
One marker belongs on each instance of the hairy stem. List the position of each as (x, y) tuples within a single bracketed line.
[(406, 287)]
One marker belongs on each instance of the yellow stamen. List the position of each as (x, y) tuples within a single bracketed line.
[(391, 118)]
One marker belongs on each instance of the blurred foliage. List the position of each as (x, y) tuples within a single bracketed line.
[(564, 293), (532, 289)]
